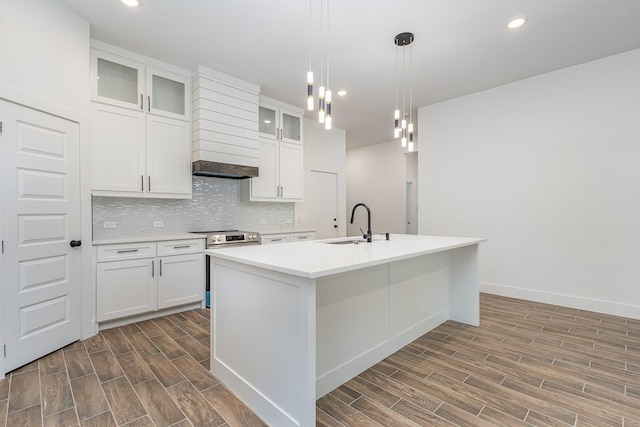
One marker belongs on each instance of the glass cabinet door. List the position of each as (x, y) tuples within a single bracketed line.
[(291, 128), (167, 94), (267, 121), (116, 80)]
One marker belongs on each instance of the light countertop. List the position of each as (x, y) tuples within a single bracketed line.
[(317, 258), (287, 231), (148, 238)]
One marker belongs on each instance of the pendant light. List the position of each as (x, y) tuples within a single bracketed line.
[(403, 129), (310, 72), (324, 93)]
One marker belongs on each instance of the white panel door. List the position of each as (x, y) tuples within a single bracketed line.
[(40, 216), (323, 200), (168, 155)]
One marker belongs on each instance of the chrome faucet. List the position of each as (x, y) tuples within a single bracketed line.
[(368, 234)]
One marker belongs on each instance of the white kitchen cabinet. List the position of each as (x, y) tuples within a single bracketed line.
[(139, 278), (281, 173), (140, 128), (138, 155), (281, 156), (268, 239), (129, 82), (271, 239), (279, 121), (181, 272), (125, 288), (299, 237)]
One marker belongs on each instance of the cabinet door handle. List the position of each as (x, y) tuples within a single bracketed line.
[(149, 186), (141, 103), (153, 268), (149, 103), (181, 246), (141, 183), (160, 267), (124, 251)]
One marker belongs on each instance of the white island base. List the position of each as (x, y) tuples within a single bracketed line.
[(292, 322)]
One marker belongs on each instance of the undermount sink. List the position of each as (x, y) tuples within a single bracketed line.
[(344, 242)]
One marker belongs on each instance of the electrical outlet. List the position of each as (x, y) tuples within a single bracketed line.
[(289, 221), (263, 221), (158, 224), (109, 224)]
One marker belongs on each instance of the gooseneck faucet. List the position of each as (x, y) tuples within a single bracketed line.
[(368, 235)]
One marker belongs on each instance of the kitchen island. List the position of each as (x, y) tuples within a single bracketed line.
[(289, 323)]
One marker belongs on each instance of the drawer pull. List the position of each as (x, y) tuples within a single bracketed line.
[(181, 246), (124, 251), (276, 240)]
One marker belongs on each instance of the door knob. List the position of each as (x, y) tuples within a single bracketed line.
[(75, 243)]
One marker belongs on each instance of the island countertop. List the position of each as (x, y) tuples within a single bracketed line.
[(318, 258)]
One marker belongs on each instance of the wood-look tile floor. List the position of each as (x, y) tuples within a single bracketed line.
[(527, 364)]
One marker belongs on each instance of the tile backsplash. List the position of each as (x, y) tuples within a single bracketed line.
[(216, 205)]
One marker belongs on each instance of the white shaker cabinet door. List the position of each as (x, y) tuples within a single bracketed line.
[(169, 156), (118, 154), (180, 279), (266, 186), (291, 172), (125, 288)]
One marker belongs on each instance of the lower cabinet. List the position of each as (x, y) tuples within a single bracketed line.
[(137, 278), (267, 239)]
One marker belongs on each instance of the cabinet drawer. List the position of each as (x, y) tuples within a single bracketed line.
[(176, 247), (126, 251), (274, 238), (299, 237)]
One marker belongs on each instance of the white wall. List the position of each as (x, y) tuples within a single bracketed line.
[(376, 176), (45, 65), (45, 53), (547, 169), (324, 150)]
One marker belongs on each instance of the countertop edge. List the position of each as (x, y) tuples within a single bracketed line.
[(147, 238), (314, 274), (287, 231)]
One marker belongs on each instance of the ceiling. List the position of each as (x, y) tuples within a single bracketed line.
[(460, 47)]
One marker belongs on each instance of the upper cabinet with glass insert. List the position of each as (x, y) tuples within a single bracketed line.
[(128, 83), (279, 121)]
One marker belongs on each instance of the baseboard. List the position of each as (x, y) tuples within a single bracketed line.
[(581, 303)]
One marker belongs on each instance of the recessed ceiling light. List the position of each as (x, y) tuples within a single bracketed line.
[(342, 92), (267, 121), (517, 22), (132, 3)]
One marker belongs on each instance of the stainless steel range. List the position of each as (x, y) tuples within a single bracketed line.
[(225, 239)]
